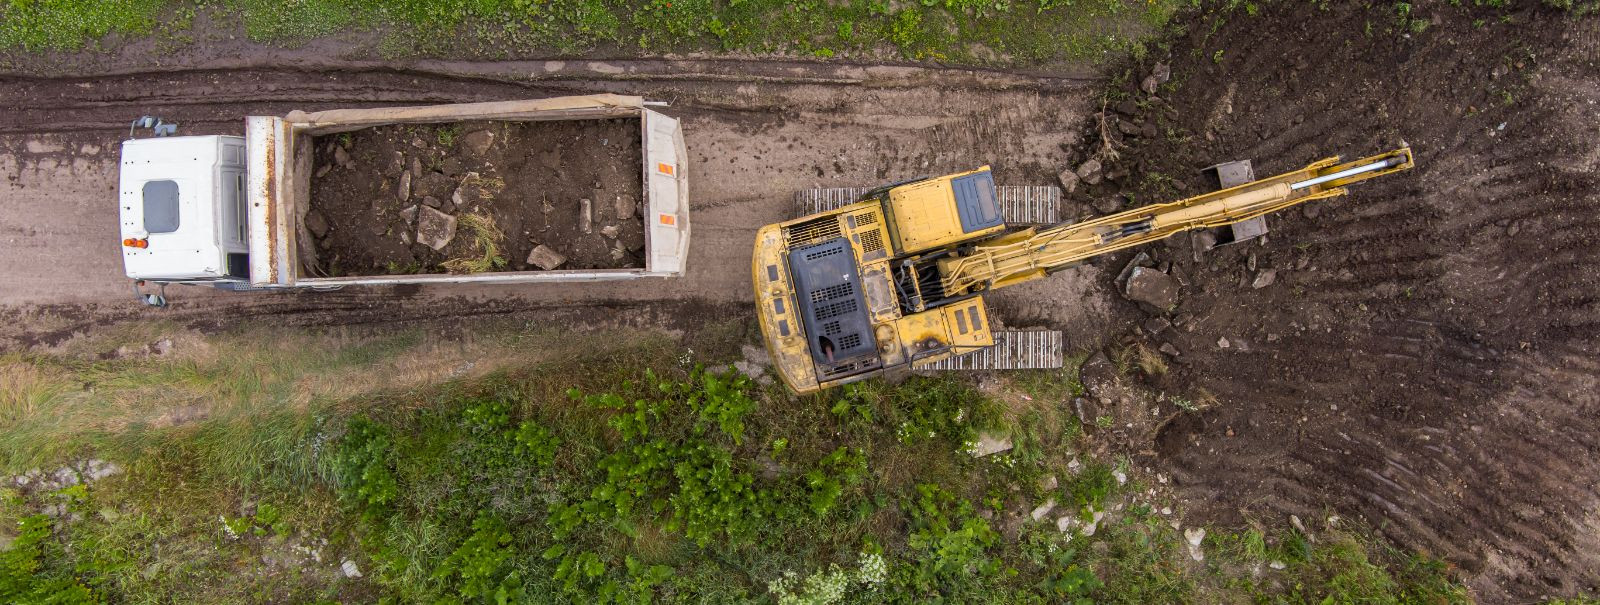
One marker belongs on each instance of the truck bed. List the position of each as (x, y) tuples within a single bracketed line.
[(363, 196), (571, 187)]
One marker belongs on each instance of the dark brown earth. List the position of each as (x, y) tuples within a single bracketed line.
[(528, 178), (1425, 358)]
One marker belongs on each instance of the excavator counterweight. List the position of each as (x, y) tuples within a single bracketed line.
[(895, 279)]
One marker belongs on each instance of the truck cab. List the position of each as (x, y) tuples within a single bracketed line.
[(182, 209)]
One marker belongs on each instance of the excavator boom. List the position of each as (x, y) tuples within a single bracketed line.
[(1032, 253), (895, 279)]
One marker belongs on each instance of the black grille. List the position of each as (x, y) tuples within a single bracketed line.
[(832, 292), (833, 315), (832, 310)]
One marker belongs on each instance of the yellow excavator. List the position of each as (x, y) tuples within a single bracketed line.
[(896, 278)]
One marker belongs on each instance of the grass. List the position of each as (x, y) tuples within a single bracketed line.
[(486, 239), (965, 31), (605, 470)]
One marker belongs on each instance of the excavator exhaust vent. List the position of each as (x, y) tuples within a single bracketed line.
[(812, 232)]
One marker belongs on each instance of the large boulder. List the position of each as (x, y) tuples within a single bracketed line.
[(1153, 288)]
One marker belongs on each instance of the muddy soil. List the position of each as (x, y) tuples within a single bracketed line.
[(564, 185), (1422, 352)]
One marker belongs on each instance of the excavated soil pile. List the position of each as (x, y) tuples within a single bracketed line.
[(1420, 353), (422, 198)]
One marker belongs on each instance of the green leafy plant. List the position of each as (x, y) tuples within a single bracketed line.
[(25, 576), (947, 539), (478, 567), (836, 471), (364, 467)]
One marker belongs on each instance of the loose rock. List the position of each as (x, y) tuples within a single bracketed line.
[(1089, 171), (610, 231), (341, 157), (1264, 278), (586, 216), (991, 444), (404, 190), (416, 167), (478, 141), (316, 223), (435, 229), (1110, 204), (545, 258), (350, 569), (1151, 287), (409, 214), (1043, 509), (1156, 325), (1162, 73), (1069, 181), (1099, 376), (626, 206)]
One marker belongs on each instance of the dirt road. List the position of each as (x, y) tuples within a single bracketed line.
[(756, 132)]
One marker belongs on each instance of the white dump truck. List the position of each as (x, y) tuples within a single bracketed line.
[(231, 212)]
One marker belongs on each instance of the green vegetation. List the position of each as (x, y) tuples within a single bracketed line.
[(610, 471), (969, 31)]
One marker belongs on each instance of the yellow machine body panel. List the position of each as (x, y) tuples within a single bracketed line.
[(940, 212), (897, 278)]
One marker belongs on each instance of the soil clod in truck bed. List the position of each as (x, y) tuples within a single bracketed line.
[(468, 197)]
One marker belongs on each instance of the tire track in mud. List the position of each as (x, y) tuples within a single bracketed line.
[(217, 91), (1426, 360)]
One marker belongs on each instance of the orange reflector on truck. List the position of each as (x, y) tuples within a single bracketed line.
[(665, 168), (669, 220), (136, 243)]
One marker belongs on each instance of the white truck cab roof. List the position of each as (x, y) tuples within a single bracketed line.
[(184, 197)]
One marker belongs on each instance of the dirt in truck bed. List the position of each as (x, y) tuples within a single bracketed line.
[(470, 197)]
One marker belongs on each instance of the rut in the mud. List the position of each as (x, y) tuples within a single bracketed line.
[(1424, 356)]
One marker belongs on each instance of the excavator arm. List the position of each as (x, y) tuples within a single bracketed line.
[(1033, 253)]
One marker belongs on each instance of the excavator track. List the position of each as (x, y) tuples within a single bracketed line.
[(1019, 204), (1012, 350)]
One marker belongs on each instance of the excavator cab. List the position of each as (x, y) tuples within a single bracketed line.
[(837, 305)]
